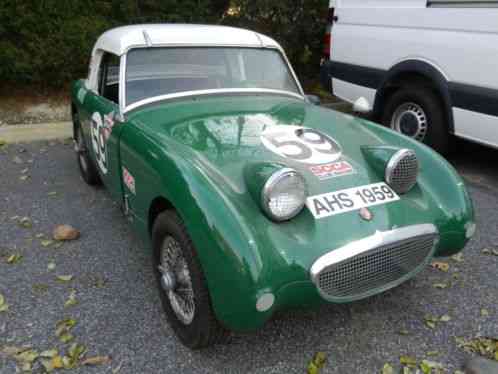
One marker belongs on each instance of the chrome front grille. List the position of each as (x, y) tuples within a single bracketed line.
[(374, 269)]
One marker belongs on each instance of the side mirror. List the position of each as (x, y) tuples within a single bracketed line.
[(362, 106), (313, 99)]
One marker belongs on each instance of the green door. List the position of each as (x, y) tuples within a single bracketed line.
[(104, 129)]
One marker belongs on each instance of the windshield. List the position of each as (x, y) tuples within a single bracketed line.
[(153, 72)]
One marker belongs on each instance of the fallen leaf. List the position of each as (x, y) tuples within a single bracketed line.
[(408, 361), (25, 222), (403, 332), (387, 369), (484, 313), (9, 351), (97, 360), (46, 243), (440, 285), (65, 278), (71, 301), (458, 257), (490, 252), (443, 266), (75, 352), (431, 321), (63, 328), (432, 353), (47, 365), (52, 193), (317, 363), (28, 355), (14, 258), (50, 353), (17, 160), (23, 177), (57, 362), (427, 366), (51, 266), (40, 235), (65, 232), (3, 304), (66, 337), (445, 318), (486, 347)]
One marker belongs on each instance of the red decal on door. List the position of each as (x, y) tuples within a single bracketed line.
[(129, 180)]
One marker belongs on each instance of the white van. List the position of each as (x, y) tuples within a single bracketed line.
[(427, 68)]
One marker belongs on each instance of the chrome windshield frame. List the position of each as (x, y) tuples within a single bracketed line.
[(124, 108)]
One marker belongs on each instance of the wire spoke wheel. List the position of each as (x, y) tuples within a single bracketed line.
[(176, 281), (410, 119)]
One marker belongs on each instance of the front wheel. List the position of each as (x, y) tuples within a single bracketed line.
[(182, 286), (417, 112)]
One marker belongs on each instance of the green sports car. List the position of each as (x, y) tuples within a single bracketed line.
[(250, 197)]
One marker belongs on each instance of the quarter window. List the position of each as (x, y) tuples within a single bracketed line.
[(109, 77)]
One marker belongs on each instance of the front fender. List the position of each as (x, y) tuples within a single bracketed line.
[(441, 184), (216, 216)]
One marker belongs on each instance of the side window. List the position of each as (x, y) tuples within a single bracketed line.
[(109, 77)]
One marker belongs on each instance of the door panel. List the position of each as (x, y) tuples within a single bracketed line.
[(104, 143)]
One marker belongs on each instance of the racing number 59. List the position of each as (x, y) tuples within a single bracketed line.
[(306, 145), (98, 142)]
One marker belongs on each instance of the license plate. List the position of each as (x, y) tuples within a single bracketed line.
[(338, 202)]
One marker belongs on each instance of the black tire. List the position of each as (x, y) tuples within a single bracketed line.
[(204, 329), (88, 170), (436, 134)]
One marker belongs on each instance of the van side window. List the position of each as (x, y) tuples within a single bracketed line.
[(462, 3), (109, 77)]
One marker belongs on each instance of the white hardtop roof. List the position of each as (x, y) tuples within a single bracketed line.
[(119, 40)]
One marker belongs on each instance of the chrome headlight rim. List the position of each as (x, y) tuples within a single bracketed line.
[(393, 162), (271, 183)]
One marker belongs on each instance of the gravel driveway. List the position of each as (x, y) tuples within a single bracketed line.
[(118, 312)]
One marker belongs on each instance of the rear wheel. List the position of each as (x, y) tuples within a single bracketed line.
[(87, 168), (182, 286), (417, 112)]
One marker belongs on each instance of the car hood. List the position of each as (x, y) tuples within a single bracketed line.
[(224, 134), (220, 136)]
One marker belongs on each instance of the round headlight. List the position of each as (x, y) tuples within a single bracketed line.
[(284, 194), (402, 171)]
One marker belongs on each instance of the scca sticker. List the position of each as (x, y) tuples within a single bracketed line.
[(101, 131), (301, 144), (332, 170)]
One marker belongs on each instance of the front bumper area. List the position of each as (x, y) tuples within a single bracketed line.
[(374, 264)]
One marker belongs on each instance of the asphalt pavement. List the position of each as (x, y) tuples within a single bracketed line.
[(118, 311)]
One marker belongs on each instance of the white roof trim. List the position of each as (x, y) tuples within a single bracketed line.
[(119, 40)]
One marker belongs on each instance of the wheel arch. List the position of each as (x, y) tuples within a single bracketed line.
[(415, 72), (157, 206)]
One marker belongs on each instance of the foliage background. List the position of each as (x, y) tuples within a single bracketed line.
[(47, 43)]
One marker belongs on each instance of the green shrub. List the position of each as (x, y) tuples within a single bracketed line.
[(48, 42)]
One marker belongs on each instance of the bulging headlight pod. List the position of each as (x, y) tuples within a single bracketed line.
[(284, 194), (402, 171)]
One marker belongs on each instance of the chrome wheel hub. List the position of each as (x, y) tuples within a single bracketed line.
[(410, 120), (176, 281)]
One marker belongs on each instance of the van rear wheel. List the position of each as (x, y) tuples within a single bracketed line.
[(417, 112)]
